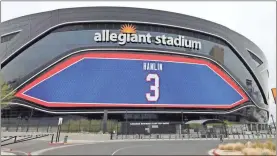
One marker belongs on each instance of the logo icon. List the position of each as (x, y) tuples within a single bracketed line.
[(128, 29)]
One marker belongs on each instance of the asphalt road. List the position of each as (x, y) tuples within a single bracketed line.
[(173, 147), (157, 147), (23, 148)]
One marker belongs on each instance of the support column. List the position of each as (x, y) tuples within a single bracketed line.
[(105, 118)]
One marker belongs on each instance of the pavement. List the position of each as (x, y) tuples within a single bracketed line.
[(93, 144), (116, 147), (6, 153), (135, 147), (158, 147), (24, 148)]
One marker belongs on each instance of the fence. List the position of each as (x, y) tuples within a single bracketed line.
[(133, 129), (189, 136), (50, 125), (175, 130), (16, 139), (31, 125), (90, 126)]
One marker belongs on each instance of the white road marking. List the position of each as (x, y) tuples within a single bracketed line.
[(53, 148), (20, 152), (123, 148)]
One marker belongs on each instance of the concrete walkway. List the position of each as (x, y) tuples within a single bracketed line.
[(6, 153)]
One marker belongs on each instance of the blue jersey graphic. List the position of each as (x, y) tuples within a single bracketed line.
[(123, 81)]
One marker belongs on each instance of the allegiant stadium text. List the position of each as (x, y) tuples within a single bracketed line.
[(123, 38)]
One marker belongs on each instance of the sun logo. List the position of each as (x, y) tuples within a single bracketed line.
[(128, 29)]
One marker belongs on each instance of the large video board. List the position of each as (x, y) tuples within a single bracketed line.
[(124, 79)]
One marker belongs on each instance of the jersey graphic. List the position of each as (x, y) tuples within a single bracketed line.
[(134, 80)]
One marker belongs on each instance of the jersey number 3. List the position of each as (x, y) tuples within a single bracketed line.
[(155, 88)]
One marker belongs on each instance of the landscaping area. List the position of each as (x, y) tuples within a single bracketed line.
[(91, 126), (264, 148)]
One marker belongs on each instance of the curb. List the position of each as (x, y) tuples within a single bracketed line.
[(214, 153), (6, 149), (7, 153), (58, 143)]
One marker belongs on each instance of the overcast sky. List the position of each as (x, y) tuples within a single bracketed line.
[(254, 20)]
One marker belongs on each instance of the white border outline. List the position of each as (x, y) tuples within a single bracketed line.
[(118, 112)]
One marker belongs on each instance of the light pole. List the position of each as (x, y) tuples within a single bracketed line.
[(273, 122)]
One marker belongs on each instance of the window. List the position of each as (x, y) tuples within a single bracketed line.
[(8, 37), (257, 61)]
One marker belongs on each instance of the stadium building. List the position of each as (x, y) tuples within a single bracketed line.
[(131, 63)]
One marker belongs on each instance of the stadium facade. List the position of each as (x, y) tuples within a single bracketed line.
[(134, 63)]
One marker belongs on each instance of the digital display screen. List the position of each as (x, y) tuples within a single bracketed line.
[(117, 79)]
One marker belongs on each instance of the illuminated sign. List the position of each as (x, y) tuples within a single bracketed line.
[(128, 34), (118, 79)]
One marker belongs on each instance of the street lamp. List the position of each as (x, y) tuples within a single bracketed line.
[(273, 121)]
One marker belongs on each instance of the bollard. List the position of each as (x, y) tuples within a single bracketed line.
[(65, 139), (15, 139), (52, 138)]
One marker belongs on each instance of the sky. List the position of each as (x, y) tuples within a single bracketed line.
[(255, 20)]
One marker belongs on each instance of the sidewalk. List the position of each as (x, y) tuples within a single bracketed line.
[(6, 153)]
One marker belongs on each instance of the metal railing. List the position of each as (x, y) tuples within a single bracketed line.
[(175, 130), (126, 128), (7, 140), (187, 136), (49, 125)]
